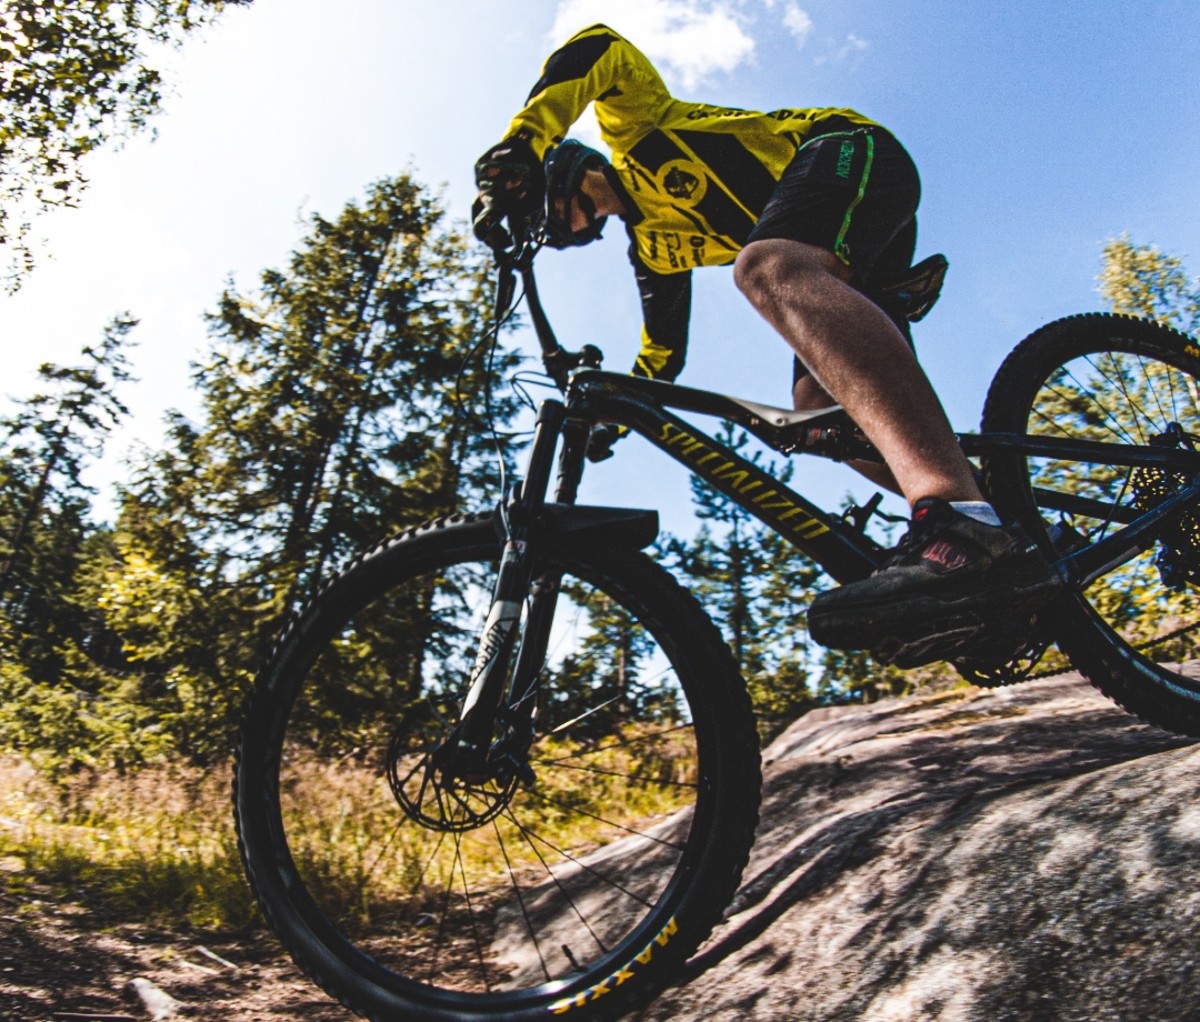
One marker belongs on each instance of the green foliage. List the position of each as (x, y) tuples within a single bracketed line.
[(1142, 280), (73, 75), (330, 399), (46, 539), (79, 718), (49, 440), (331, 417), (155, 844)]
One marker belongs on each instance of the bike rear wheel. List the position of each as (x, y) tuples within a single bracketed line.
[(407, 897), (1135, 632)]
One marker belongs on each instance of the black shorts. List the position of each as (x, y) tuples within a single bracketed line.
[(852, 190)]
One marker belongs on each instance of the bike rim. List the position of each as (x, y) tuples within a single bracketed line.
[(501, 894), (1128, 394)]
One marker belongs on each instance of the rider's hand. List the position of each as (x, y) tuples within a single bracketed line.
[(510, 180), (487, 223)]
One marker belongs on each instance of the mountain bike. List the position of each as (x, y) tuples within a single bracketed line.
[(503, 766)]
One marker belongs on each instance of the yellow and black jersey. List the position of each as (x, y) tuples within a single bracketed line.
[(697, 175)]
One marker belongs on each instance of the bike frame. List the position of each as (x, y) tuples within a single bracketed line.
[(642, 405), (838, 543), (833, 541)]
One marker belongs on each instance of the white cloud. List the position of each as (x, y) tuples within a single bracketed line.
[(797, 21), (853, 47), (688, 41)]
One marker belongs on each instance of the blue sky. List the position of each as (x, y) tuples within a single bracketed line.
[(1041, 129)]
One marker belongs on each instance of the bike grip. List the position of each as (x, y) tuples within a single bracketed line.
[(487, 224)]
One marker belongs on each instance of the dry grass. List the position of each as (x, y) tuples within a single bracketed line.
[(159, 844), (362, 858), (154, 845)]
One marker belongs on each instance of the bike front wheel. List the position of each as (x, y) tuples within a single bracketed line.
[(1134, 632), (578, 884)]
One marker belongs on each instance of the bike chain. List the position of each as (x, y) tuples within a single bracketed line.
[(1009, 673)]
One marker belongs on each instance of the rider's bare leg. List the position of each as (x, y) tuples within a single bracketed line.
[(856, 354), (808, 395)]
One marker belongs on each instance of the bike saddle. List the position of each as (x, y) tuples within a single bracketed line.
[(915, 291)]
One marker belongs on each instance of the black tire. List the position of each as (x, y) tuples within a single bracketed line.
[(1134, 633), (580, 895)]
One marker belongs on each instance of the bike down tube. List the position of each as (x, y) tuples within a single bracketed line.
[(842, 551)]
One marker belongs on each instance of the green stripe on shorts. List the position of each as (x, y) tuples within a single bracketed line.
[(840, 248)]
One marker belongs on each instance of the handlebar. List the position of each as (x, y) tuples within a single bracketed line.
[(514, 249)]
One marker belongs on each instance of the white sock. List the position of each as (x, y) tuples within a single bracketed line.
[(980, 510)]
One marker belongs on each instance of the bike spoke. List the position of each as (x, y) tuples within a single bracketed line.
[(1072, 401), (641, 778), (583, 865), (471, 915), (611, 823), (437, 943), (521, 901), (529, 839), (617, 745), (1120, 385), (387, 847), (424, 871), (485, 887), (583, 716)]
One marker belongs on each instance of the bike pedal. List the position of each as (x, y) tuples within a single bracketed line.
[(915, 652)]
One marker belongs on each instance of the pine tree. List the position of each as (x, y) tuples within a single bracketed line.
[(52, 640), (44, 502), (1142, 280), (332, 415)]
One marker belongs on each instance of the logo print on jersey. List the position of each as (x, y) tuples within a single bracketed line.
[(683, 181), (680, 184)]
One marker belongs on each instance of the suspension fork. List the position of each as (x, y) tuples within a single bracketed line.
[(515, 590), (544, 589)]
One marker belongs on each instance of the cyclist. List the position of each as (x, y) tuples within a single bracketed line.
[(807, 205)]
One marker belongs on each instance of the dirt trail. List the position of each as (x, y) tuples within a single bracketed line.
[(1026, 854), (60, 962)]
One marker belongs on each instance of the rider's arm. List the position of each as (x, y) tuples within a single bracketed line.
[(596, 65), (666, 308)]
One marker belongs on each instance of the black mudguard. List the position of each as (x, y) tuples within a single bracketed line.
[(632, 528)]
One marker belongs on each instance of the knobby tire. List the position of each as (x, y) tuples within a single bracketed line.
[(1134, 634), (579, 895)]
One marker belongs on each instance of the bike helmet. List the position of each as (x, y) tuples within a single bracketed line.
[(565, 166)]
